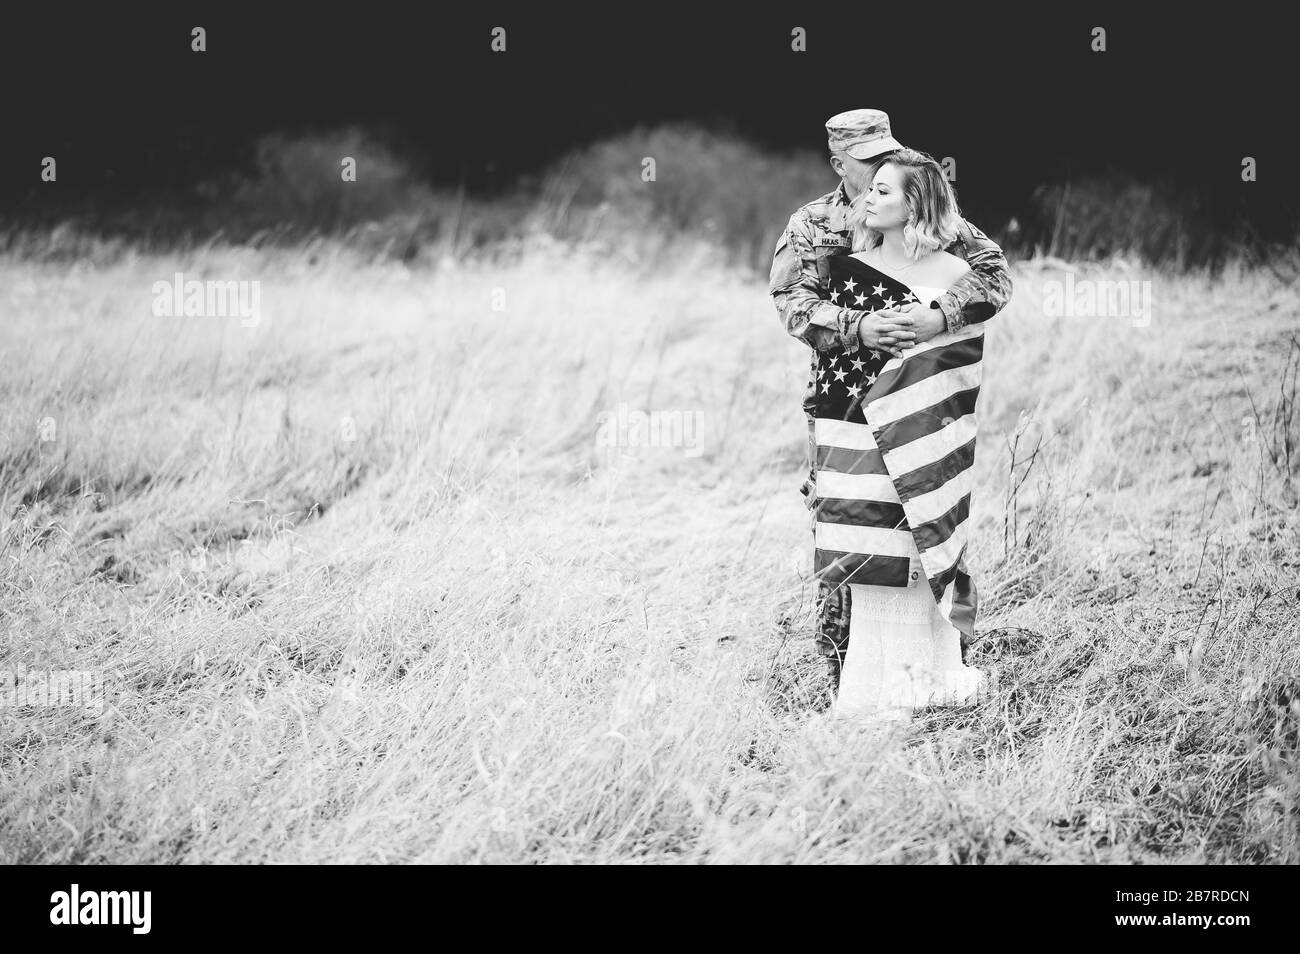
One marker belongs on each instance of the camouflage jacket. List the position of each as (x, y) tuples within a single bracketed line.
[(801, 265)]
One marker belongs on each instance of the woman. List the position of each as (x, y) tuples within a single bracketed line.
[(894, 431)]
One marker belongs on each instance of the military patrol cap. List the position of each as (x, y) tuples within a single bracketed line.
[(862, 133)]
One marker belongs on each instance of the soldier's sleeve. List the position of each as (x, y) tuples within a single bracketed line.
[(796, 291), (983, 291)]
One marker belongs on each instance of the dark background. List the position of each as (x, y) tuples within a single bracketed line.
[(1013, 93)]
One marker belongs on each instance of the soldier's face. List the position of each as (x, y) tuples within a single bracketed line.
[(856, 173), (883, 203)]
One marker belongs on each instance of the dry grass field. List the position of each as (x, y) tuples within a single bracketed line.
[(365, 584)]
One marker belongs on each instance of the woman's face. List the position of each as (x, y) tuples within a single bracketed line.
[(883, 203)]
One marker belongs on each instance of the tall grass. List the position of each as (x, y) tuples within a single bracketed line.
[(365, 586)]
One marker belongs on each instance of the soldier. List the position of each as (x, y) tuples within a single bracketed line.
[(859, 141)]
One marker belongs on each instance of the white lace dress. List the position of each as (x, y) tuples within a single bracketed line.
[(902, 652)]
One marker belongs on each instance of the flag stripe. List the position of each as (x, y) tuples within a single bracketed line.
[(846, 461), (857, 487), (933, 505), (943, 558), (883, 408), (945, 599), (858, 512), (941, 340), (928, 420), (932, 533), (950, 575), (964, 600), (869, 569), (832, 433), (917, 367), (937, 473), (932, 447), (847, 539)]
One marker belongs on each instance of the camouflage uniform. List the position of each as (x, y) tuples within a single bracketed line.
[(800, 268)]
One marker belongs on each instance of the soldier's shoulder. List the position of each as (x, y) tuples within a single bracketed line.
[(968, 232), (817, 206), (815, 212)]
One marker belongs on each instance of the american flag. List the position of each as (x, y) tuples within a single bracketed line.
[(895, 446)]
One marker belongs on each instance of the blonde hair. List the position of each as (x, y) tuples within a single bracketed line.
[(932, 213)]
